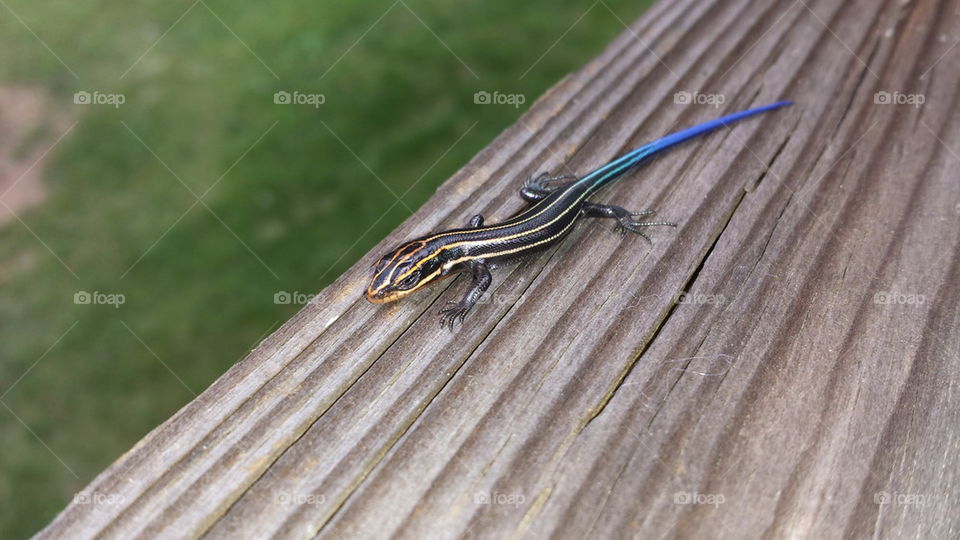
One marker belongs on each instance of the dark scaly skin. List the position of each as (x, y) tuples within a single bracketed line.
[(422, 260)]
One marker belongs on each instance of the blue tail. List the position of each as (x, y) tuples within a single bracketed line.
[(609, 172)]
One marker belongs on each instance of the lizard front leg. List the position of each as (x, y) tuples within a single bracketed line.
[(456, 311)]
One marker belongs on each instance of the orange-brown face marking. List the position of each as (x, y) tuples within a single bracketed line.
[(403, 271)]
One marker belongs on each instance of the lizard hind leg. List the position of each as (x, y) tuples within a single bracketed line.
[(537, 187), (626, 220)]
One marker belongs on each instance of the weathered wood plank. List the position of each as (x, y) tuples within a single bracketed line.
[(783, 394)]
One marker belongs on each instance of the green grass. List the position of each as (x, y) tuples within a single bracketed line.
[(199, 299)]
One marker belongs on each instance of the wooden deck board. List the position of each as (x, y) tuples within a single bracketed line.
[(748, 361)]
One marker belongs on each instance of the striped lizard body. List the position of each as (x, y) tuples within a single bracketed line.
[(421, 261)]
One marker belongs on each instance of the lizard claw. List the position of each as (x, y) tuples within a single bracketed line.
[(628, 226), (453, 314)]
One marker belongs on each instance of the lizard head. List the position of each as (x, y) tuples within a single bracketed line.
[(403, 271)]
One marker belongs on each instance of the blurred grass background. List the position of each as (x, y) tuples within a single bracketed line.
[(80, 384)]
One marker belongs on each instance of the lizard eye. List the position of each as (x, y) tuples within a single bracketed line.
[(409, 281)]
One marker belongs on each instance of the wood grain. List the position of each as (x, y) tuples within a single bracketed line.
[(785, 363)]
